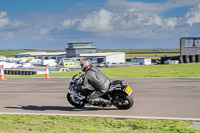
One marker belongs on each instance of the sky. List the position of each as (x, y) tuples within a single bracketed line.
[(109, 24)]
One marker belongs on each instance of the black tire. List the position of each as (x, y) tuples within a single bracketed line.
[(80, 105), (122, 101)]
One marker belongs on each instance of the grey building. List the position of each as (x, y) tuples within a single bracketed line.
[(43, 55), (190, 45), (112, 57), (76, 48), (189, 49)]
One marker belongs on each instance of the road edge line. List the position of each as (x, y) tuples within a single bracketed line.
[(108, 116)]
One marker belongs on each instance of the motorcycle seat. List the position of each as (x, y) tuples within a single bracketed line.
[(116, 82)]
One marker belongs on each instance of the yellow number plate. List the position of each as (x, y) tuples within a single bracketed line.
[(128, 90)]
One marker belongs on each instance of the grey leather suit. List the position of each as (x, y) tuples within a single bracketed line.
[(98, 80)]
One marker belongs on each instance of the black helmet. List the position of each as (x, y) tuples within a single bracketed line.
[(85, 63)]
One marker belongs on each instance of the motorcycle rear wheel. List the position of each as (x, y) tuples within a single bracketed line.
[(80, 105), (122, 101)]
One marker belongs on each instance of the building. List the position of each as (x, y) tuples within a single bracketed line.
[(43, 55), (190, 45), (114, 57), (2, 58), (189, 49), (76, 48), (71, 62), (141, 61)]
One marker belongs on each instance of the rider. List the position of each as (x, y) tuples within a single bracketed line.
[(98, 80)]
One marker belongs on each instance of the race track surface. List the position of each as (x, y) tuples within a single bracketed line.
[(154, 97)]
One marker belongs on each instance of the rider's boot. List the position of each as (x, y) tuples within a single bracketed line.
[(100, 102)]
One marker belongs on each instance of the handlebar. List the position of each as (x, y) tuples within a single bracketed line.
[(74, 76), (80, 75)]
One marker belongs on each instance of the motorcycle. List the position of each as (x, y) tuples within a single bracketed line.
[(118, 93)]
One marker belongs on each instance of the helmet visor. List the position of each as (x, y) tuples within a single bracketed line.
[(82, 64)]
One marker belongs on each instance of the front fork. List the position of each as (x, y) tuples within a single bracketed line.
[(76, 97)]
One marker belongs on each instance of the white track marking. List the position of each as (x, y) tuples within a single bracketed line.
[(109, 116)]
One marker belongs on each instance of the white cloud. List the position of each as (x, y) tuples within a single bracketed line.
[(131, 10), (97, 21), (119, 18), (123, 19), (155, 19), (155, 7), (129, 23), (137, 19), (44, 31), (3, 19), (69, 23), (16, 24), (3, 14), (171, 22), (193, 16), (3, 22)]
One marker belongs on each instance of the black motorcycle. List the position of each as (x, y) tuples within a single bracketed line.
[(119, 93)]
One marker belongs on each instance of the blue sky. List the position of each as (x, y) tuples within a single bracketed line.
[(110, 24)]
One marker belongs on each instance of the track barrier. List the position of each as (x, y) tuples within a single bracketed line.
[(2, 77), (47, 76)]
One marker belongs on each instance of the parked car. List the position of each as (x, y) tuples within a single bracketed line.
[(103, 64), (100, 64), (50, 62)]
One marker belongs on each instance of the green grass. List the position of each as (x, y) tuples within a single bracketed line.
[(138, 50), (150, 55), (11, 52), (144, 53), (63, 124), (173, 70), (130, 53)]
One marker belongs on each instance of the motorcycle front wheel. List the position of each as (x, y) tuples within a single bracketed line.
[(122, 101), (80, 105)]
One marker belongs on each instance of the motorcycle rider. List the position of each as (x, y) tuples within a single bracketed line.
[(98, 80)]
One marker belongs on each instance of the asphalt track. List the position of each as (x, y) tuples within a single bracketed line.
[(160, 98)]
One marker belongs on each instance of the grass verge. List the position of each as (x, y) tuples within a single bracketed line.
[(59, 124), (11, 52), (150, 55), (178, 70)]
